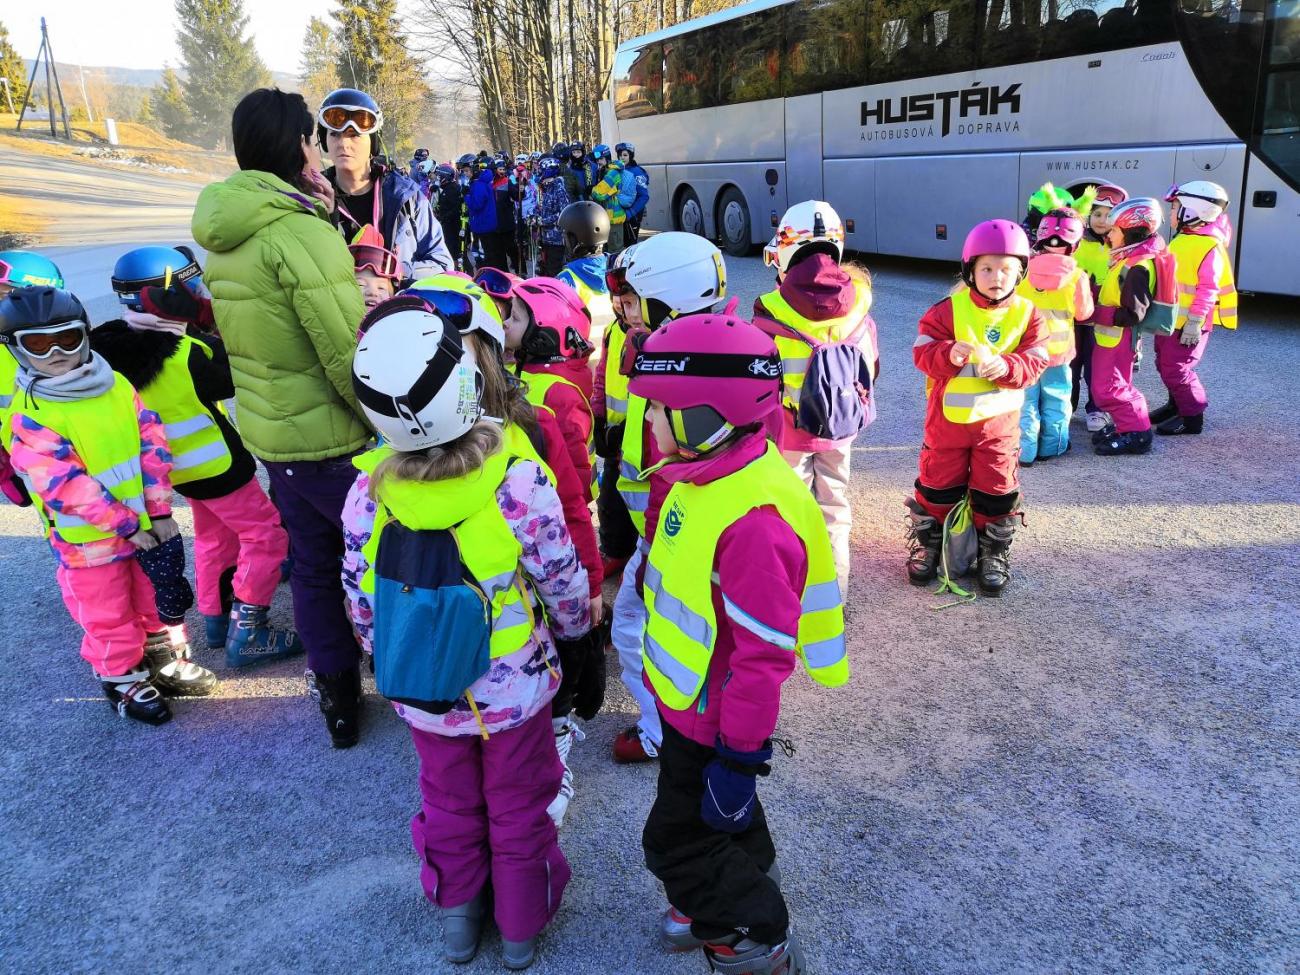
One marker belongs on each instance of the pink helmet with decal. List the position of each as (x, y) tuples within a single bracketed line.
[(1064, 225), (714, 373), (561, 325)]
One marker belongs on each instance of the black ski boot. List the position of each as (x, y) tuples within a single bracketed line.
[(134, 696), (1104, 434), (1164, 414), (1180, 425), (1133, 442), (924, 541), (994, 570), (171, 668), (339, 697)]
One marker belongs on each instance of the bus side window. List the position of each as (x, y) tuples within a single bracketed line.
[(639, 82), (825, 46), (752, 49), (934, 38), (691, 71)]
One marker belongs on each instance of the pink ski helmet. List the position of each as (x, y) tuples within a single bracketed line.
[(1000, 237), (561, 325), (1063, 225), (714, 373)]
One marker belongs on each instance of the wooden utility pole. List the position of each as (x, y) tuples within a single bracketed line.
[(52, 86)]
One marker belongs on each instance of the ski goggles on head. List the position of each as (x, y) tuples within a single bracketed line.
[(455, 307), (633, 343), (496, 283), (339, 118), (616, 281), (383, 262), (41, 343)]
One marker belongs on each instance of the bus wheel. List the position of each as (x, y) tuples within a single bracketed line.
[(690, 215), (734, 223)]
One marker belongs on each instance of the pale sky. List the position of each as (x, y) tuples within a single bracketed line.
[(93, 32)]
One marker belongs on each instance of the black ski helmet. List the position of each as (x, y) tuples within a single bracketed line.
[(37, 306), (585, 226)]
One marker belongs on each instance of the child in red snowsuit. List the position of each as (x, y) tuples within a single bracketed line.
[(980, 348)]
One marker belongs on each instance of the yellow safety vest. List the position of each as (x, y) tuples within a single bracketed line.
[(538, 384), (105, 432), (1094, 257), (634, 491), (1058, 308), (487, 545), (682, 628), (795, 353), (1108, 336), (599, 304), (1190, 251), (967, 398), (615, 382), (8, 379), (198, 449)]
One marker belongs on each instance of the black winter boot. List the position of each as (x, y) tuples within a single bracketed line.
[(995, 555), (339, 697), (1134, 442), (134, 696), (924, 541), (1166, 412), (1179, 425)]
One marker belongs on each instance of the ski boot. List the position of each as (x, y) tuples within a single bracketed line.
[(217, 628), (134, 696), (739, 955), (630, 746), (339, 697), (462, 928), (675, 927), (994, 571), (1177, 426), (566, 733), (1104, 434), (518, 955), (1133, 442), (251, 639), (924, 542), (167, 655), (1164, 414)]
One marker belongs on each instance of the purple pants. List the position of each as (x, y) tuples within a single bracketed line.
[(1177, 364), (1113, 389), (483, 817), (309, 495)]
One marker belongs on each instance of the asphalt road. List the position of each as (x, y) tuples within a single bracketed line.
[(1095, 774)]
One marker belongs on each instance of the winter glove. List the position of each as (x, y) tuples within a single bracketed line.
[(165, 529), (731, 787), (1191, 335), (614, 441), (177, 303), (589, 695), (15, 490)]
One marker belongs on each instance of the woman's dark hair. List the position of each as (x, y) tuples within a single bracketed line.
[(268, 128)]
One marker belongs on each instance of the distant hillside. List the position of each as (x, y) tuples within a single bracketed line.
[(69, 74)]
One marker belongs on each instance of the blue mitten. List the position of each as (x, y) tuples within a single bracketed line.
[(731, 787)]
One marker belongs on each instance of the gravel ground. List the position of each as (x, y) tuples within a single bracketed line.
[(1096, 773)]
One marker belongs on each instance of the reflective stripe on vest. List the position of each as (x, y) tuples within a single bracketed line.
[(1109, 336), (197, 446), (105, 432), (634, 491), (967, 398), (1190, 251), (1058, 308), (615, 382), (488, 546), (795, 353), (682, 629)]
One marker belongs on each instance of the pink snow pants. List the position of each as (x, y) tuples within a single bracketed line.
[(1112, 386), (114, 605), (1177, 364), (483, 816), (240, 529)]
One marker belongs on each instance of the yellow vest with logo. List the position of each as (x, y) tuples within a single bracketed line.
[(1094, 257), (1058, 308), (105, 432), (615, 381), (1108, 336), (488, 546), (993, 331), (1190, 251), (538, 384), (198, 449), (796, 353), (682, 628), (632, 464)]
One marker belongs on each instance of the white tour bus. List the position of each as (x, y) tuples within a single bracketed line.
[(917, 118)]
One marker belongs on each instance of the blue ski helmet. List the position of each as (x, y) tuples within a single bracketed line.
[(157, 267), (627, 147), (20, 269), (349, 108), (548, 167), (600, 151)]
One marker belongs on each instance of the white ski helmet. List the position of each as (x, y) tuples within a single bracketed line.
[(674, 273), (418, 384), (1198, 200), (811, 224)]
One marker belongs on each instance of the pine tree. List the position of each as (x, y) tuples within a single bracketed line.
[(167, 101), (220, 64), (11, 69), (318, 70), (373, 56)]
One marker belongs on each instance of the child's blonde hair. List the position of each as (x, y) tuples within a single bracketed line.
[(858, 272), (464, 455), (502, 397)]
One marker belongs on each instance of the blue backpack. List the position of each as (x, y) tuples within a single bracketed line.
[(433, 624), (835, 400)]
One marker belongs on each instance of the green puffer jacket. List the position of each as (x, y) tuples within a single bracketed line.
[(288, 306)]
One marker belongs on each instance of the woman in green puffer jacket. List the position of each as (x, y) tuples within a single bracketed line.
[(288, 307)]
